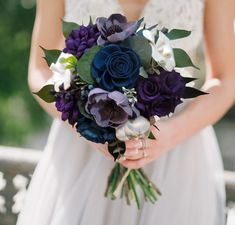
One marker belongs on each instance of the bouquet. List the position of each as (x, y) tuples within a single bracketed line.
[(112, 81)]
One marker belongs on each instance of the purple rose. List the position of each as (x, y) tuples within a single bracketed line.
[(110, 109), (172, 83), (115, 28), (160, 94), (148, 89), (162, 106)]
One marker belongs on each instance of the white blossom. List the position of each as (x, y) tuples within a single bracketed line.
[(61, 74), (162, 51), (139, 127)]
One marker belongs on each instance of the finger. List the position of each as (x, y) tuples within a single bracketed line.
[(135, 164), (134, 157), (131, 152), (133, 144)]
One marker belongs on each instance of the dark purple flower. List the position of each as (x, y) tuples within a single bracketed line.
[(110, 109), (81, 39), (92, 132), (148, 89), (66, 104), (114, 67), (160, 94), (115, 28), (172, 83), (162, 106)]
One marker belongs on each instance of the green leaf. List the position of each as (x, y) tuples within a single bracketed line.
[(189, 79), (82, 110), (90, 21), (117, 149), (68, 27), (190, 92), (177, 34), (142, 47), (139, 22), (84, 64), (151, 136), (182, 59), (46, 93), (51, 56)]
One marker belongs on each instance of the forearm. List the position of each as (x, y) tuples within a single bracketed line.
[(207, 109)]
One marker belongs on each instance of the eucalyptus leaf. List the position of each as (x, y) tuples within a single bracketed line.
[(51, 56), (190, 92), (68, 27), (84, 64), (182, 59), (45, 93), (177, 34), (117, 149), (141, 46)]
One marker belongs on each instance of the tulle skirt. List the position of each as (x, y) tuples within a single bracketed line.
[(69, 182)]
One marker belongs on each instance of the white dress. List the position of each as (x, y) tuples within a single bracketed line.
[(69, 183)]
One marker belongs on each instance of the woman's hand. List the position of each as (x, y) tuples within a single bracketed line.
[(167, 137)]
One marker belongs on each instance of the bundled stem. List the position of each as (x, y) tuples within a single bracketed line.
[(124, 182)]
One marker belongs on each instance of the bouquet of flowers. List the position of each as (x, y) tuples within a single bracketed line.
[(112, 81)]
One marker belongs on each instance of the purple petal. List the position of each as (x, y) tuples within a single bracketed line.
[(118, 17), (100, 21)]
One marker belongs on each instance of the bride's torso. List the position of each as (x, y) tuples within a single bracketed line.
[(183, 14)]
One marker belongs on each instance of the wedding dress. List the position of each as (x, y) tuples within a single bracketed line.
[(68, 185)]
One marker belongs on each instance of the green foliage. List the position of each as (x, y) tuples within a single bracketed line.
[(151, 136), (68, 27), (51, 56), (45, 93), (117, 149), (20, 114), (142, 47), (182, 59), (84, 64), (177, 34)]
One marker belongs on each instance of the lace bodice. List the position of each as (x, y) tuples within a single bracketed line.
[(183, 14)]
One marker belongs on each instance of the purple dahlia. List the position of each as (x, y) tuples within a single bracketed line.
[(81, 39), (66, 103)]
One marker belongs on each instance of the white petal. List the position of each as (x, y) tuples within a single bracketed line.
[(67, 79), (149, 35)]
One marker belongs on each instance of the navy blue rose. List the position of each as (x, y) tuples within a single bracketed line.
[(114, 67), (92, 132)]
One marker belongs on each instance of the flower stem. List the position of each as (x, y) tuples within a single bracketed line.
[(118, 189)]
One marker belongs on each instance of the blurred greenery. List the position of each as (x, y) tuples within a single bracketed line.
[(19, 112), (20, 115)]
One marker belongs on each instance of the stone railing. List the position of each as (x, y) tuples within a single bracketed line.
[(17, 166)]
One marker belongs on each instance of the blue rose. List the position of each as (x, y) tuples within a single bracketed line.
[(114, 67), (92, 132)]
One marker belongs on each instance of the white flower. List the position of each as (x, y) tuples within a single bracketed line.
[(139, 127), (162, 51), (61, 75)]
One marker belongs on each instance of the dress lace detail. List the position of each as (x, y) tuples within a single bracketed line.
[(183, 14)]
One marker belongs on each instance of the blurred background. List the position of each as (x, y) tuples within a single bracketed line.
[(23, 124)]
